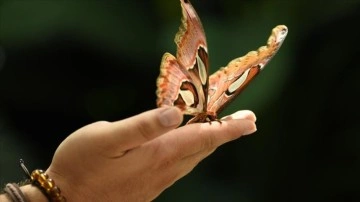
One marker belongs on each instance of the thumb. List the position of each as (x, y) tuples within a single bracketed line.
[(137, 130)]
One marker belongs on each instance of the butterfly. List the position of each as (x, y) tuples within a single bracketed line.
[(184, 80)]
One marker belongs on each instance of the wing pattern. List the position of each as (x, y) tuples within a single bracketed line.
[(184, 80)]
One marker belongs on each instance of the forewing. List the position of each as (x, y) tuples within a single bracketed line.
[(183, 80), (229, 81)]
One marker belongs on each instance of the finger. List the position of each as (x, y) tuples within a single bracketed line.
[(173, 171), (195, 159), (243, 114), (185, 162), (194, 138), (136, 130), (189, 162), (192, 161)]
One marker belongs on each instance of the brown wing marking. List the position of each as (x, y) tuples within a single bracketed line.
[(230, 81)]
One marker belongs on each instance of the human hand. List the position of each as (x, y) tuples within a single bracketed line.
[(135, 159)]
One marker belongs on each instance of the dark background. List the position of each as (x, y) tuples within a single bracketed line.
[(64, 64)]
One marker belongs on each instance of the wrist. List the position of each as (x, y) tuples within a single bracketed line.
[(30, 192), (33, 193)]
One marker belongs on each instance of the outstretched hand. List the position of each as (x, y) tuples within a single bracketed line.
[(137, 158)]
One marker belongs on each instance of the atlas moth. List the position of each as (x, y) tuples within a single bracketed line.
[(184, 80)]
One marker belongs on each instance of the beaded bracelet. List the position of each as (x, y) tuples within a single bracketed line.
[(47, 185)]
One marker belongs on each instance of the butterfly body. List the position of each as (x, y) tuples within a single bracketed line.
[(184, 80)]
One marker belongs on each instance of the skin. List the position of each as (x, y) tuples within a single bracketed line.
[(137, 158)]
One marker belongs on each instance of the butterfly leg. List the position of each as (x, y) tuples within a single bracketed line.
[(203, 118)]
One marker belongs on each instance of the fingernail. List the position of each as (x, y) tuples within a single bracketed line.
[(244, 114), (170, 117)]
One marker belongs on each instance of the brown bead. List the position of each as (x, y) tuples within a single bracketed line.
[(35, 174), (55, 192), (42, 180)]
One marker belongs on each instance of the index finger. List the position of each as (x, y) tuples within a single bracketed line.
[(194, 138)]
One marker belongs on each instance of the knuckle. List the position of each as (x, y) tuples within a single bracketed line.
[(94, 127), (101, 124), (208, 142), (165, 157), (164, 161)]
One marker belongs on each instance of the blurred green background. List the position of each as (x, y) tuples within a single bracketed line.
[(64, 64)]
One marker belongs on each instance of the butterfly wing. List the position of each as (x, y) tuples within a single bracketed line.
[(229, 81), (183, 80)]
